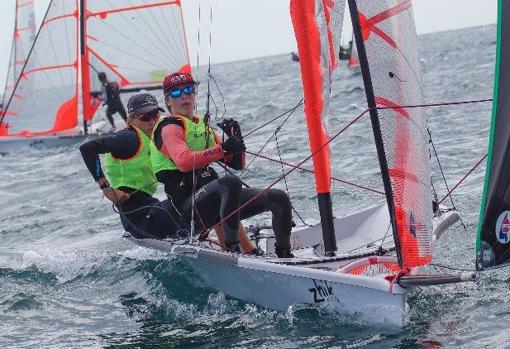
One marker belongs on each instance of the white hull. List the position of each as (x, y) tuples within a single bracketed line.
[(307, 279), (9, 145), (22, 144), (272, 285)]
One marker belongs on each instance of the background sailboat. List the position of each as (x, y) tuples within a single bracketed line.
[(135, 43)]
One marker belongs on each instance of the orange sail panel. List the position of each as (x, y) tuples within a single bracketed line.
[(386, 37), (317, 27)]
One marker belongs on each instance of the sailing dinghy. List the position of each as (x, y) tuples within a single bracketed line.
[(363, 264), (133, 42)]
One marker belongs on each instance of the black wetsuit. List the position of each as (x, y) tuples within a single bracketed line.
[(142, 215), (219, 198), (216, 198), (114, 104)]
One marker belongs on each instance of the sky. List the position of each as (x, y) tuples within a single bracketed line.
[(243, 29)]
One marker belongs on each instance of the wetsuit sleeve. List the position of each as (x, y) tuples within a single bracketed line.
[(175, 147), (235, 161), (122, 145)]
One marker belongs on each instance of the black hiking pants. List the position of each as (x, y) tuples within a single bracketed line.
[(219, 198)]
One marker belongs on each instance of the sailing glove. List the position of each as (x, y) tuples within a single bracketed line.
[(233, 145), (231, 128)]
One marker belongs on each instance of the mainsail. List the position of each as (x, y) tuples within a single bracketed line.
[(134, 42), (317, 26), (23, 38), (493, 240), (387, 47)]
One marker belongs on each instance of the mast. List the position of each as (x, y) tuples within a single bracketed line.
[(84, 64), (374, 116)]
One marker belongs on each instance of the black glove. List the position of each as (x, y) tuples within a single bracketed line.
[(233, 145), (230, 127)]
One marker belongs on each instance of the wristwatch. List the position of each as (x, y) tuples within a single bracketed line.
[(105, 185)]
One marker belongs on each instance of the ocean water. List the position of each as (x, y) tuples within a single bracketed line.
[(68, 279)]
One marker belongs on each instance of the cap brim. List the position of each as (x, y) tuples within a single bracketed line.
[(148, 109)]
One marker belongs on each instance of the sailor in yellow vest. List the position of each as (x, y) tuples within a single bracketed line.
[(131, 181), (187, 147)]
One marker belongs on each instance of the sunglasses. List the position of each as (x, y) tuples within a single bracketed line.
[(148, 116), (177, 92)]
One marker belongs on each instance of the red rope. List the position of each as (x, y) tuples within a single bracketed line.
[(312, 171), (463, 178), (290, 171), (298, 166)]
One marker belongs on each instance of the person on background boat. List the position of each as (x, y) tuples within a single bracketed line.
[(186, 149), (131, 182), (110, 94)]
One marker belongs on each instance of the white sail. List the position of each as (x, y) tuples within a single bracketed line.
[(22, 40)]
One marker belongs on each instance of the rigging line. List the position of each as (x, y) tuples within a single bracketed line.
[(285, 179), (208, 100), (294, 167), (198, 39), (155, 22), (300, 103), (48, 26), (129, 53), (444, 177), (124, 213), (454, 268), (221, 95), (267, 142), (193, 191), (67, 35), (312, 171), (463, 178), (436, 104), (148, 50), (146, 39)]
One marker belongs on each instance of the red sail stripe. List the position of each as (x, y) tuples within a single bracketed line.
[(104, 14)]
